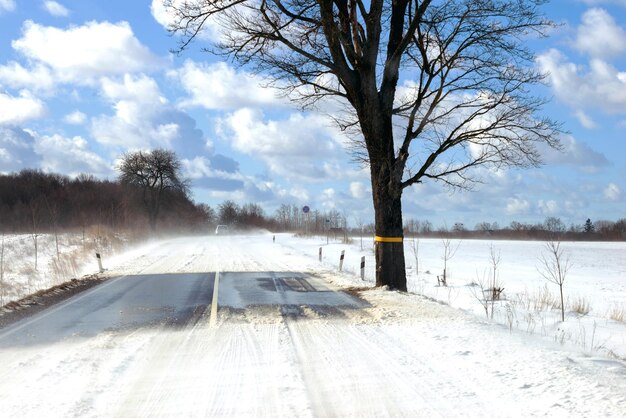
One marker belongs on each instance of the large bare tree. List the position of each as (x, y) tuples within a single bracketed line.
[(435, 89), (155, 173)]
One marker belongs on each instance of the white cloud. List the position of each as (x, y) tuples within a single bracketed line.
[(140, 88), (7, 5), (357, 190), (612, 192), (75, 118), (585, 120), (201, 166), (137, 102), (219, 86), (576, 154), (81, 54), (166, 17), (599, 35), (142, 118), (299, 147), (16, 147), (15, 110), (38, 77), (551, 207), (600, 85), (69, 156), (55, 8), (517, 206)]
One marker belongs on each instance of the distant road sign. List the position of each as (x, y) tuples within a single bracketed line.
[(306, 209)]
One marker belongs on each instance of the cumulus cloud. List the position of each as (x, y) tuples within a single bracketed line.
[(219, 86), (599, 35), (137, 122), (16, 149), (165, 17), (37, 77), (70, 156), (585, 120), (55, 8), (203, 172), (79, 54), (143, 118), (600, 85), (517, 206), (7, 5), (357, 190), (15, 110), (577, 154), (75, 118), (612, 192), (550, 207), (20, 148), (299, 147)]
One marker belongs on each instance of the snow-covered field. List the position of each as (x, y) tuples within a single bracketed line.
[(597, 279), (25, 269), (392, 354)]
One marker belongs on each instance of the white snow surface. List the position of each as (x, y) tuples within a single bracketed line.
[(277, 353)]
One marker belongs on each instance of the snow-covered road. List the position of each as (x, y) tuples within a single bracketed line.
[(286, 342)]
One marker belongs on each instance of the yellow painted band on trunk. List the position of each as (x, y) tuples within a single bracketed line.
[(388, 239)]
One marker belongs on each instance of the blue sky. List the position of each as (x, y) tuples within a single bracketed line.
[(82, 82)]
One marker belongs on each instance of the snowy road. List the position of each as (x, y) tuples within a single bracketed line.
[(286, 342)]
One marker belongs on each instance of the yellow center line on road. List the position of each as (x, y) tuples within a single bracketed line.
[(213, 316)]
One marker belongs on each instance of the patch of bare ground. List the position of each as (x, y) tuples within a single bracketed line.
[(43, 299)]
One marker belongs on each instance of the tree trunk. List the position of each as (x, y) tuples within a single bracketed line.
[(390, 268)]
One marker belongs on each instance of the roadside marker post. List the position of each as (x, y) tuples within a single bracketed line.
[(363, 268), (213, 315), (99, 262), (320, 256), (343, 253)]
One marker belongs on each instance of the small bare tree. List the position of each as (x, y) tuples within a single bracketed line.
[(359, 224), (449, 251), (489, 288), (554, 266), (54, 214), (415, 248), (34, 206)]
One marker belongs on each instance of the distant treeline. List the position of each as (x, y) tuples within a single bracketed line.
[(551, 228), (33, 201)]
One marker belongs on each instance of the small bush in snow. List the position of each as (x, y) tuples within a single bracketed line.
[(581, 306), (618, 313)]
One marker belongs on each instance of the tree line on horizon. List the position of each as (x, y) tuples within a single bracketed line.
[(32, 200)]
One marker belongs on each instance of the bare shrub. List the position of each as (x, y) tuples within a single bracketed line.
[(539, 300), (65, 266), (618, 313), (488, 288), (581, 306)]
